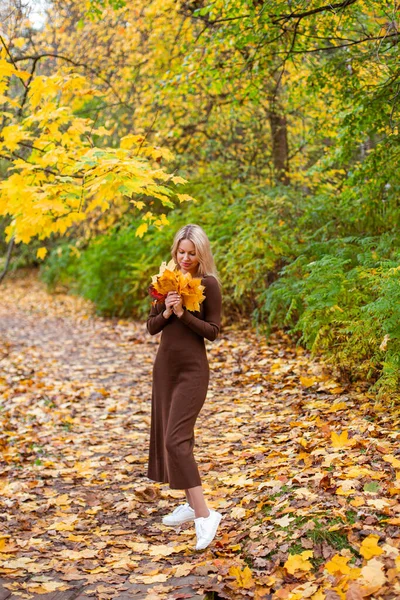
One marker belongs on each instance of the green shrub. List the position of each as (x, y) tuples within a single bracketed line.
[(342, 298)]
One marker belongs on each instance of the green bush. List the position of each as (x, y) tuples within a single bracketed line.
[(342, 298)]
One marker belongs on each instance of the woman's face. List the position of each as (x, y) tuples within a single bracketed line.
[(186, 256)]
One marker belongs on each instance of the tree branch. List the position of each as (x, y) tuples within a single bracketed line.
[(75, 64), (8, 258), (313, 11), (285, 17)]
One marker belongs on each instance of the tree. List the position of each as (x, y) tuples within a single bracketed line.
[(60, 169)]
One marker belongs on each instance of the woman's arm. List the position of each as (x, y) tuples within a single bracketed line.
[(156, 321), (209, 328)]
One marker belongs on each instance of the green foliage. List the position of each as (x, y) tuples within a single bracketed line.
[(115, 270), (60, 267), (342, 298), (281, 266)]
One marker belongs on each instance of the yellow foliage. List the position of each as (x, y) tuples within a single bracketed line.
[(170, 279), (391, 459), (244, 578), (41, 253), (338, 564), (65, 179), (372, 577), (341, 441), (370, 548), (299, 562), (141, 230)]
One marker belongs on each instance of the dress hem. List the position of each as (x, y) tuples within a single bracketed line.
[(173, 487)]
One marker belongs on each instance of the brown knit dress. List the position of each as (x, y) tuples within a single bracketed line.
[(180, 382)]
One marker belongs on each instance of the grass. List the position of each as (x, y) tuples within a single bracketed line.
[(319, 534)]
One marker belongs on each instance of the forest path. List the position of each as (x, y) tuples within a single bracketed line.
[(79, 519)]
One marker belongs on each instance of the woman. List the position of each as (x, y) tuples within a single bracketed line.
[(180, 382)]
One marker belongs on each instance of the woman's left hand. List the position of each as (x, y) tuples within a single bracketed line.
[(177, 307)]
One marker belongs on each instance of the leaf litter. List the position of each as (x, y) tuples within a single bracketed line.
[(305, 469)]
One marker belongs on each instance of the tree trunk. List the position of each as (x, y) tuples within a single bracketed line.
[(280, 147), (9, 250)]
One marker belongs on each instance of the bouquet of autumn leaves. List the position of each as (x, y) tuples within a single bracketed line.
[(170, 279)]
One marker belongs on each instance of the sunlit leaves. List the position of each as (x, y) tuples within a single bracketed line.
[(57, 177)]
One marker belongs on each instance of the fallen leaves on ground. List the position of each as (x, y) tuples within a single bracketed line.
[(305, 470)]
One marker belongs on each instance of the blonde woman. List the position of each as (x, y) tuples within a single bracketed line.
[(180, 382)]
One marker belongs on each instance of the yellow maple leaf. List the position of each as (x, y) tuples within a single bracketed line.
[(238, 512), (397, 563), (166, 282), (244, 578), (338, 406), (148, 579), (338, 564), (340, 441), (192, 294), (78, 554), (308, 381), (299, 562), (395, 462), (184, 197), (141, 230), (370, 548), (169, 279), (7, 69), (306, 590), (63, 500), (41, 253), (284, 521), (183, 570), (46, 587), (12, 135), (129, 141), (161, 550)]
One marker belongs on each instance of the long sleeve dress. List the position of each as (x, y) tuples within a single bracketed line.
[(180, 382)]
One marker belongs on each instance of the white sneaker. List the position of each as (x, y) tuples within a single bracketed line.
[(181, 514), (206, 528)]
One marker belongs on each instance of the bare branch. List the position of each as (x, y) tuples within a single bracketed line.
[(9, 250), (75, 64), (314, 11)]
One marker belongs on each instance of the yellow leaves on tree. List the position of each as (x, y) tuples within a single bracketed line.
[(169, 279), (41, 252), (57, 177)]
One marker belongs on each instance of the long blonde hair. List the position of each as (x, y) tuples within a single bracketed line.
[(196, 235)]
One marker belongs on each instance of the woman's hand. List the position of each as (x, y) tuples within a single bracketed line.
[(177, 306), (172, 301)]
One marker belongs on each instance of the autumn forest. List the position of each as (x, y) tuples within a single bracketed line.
[(274, 125)]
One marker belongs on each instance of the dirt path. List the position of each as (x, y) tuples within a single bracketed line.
[(80, 520)]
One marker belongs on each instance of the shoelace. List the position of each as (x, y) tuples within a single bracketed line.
[(200, 527), (180, 508)]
